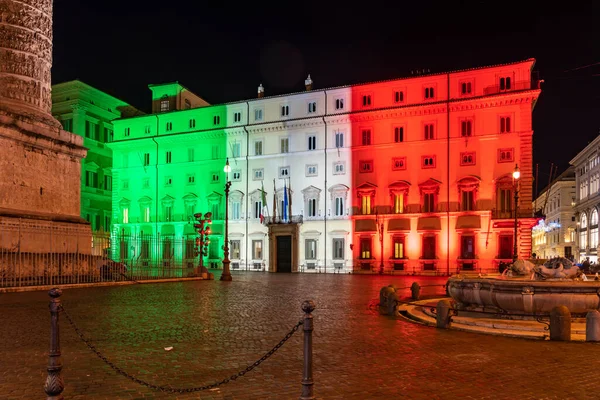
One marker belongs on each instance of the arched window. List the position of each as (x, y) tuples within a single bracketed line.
[(594, 229), (583, 232)]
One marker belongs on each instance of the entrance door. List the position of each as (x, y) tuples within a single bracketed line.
[(284, 254)]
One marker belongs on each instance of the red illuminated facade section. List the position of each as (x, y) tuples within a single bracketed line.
[(432, 159)]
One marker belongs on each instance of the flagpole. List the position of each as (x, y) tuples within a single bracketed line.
[(274, 201), (290, 200)]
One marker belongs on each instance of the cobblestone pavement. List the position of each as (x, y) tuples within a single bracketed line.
[(217, 328)]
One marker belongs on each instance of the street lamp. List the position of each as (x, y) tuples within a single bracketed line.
[(516, 175), (226, 276), (203, 228), (379, 224)]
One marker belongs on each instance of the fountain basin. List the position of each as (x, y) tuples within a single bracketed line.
[(520, 295)]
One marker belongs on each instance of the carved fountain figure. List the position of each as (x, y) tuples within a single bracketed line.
[(525, 287)]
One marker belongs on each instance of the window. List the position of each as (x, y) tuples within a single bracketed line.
[(505, 125), (258, 206), (191, 179), (147, 129), (91, 179), (583, 232), (257, 174), (168, 157), (366, 100), (257, 249), (504, 200), (339, 168), (365, 166), (339, 206), (467, 158), (67, 124), (398, 163), (505, 155), (311, 206), (127, 131), (505, 247), (310, 249), (398, 206), (398, 134), (339, 104), (169, 126), (258, 114), (366, 137), (125, 183), (428, 202), (237, 116), (214, 209), (125, 215), (215, 151), (107, 182), (284, 172), (312, 142), (338, 249), (146, 159), (192, 123), (108, 135), (339, 139), (284, 145), (216, 120), (311, 170), (429, 132), (505, 83), (465, 88), (365, 204), (467, 200), (164, 104), (107, 223), (285, 111), (236, 207), (258, 148), (429, 247), (236, 175), (190, 155), (168, 180), (429, 93), (215, 177), (145, 183), (398, 96), (312, 107), (428, 162), (467, 247), (235, 249), (92, 130), (365, 247), (466, 127), (236, 149), (398, 249), (145, 212), (168, 212)]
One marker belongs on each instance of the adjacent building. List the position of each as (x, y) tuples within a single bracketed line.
[(88, 112), (587, 202), (412, 175), (554, 234)]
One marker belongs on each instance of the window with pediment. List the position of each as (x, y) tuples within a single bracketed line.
[(235, 204), (366, 195), (504, 196), (339, 197), (167, 208), (399, 196), (145, 208), (429, 191), (467, 190), (214, 205), (311, 201), (190, 201)]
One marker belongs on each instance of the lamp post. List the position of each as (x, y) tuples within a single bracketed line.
[(516, 175), (203, 228), (379, 224), (226, 276)]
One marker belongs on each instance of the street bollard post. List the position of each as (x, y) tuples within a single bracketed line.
[(442, 315), (560, 323), (308, 307), (54, 382), (415, 288), (592, 326)]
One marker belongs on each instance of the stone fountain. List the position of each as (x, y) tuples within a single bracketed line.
[(528, 288)]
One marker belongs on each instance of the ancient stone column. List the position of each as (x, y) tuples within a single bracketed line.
[(26, 57)]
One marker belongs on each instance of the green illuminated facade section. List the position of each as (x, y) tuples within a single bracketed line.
[(88, 112)]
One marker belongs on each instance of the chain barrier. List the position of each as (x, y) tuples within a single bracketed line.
[(168, 389)]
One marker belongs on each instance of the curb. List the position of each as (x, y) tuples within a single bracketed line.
[(97, 284)]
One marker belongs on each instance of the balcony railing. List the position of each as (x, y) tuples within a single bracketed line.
[(515, 86), (296, 219)]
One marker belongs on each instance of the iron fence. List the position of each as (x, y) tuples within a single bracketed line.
[(35, 256)]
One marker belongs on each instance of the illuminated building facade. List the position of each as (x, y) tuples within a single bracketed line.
[(554, 235), (87, 112), (587, 203), (423, 163)]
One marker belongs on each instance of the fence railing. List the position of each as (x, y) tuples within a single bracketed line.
[(30, 257)]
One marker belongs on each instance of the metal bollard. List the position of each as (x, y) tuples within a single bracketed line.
[(54, 382), (308, 307), (415, 288), (592, 326), (442, 314), (560, 323)]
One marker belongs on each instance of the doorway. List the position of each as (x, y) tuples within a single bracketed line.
[(284, 253)]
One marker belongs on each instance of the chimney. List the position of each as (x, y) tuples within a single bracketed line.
[(261, 91), (308, 83)]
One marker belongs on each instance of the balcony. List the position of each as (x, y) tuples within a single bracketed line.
[(296, 219), (497, 214), (516, 86)]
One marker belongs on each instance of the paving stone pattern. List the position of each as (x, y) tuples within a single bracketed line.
[(217, 328)]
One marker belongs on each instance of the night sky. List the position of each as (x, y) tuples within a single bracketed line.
[(222, 52)]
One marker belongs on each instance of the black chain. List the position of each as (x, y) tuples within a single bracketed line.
[(168, 389)]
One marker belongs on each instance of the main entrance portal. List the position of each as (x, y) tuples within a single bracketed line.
[(284, 253)]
